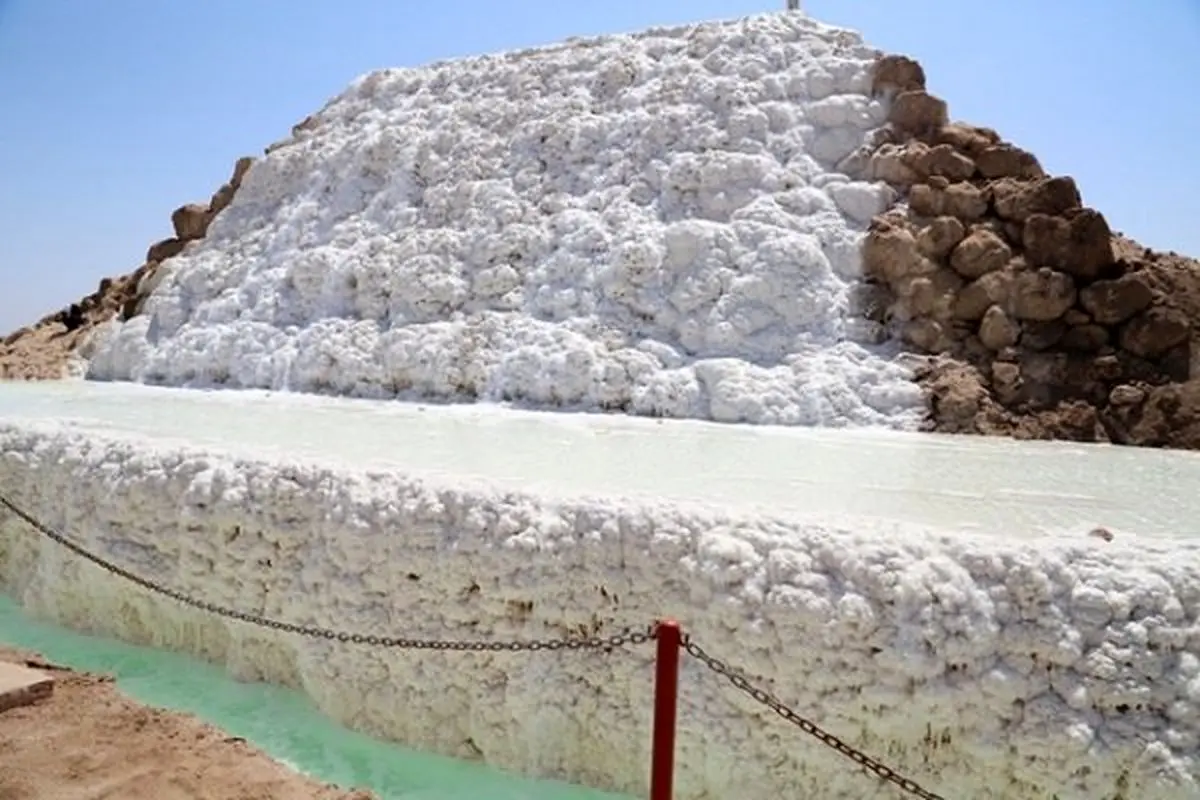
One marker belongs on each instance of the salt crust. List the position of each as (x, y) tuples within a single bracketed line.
[(652, 223), (986, 668)]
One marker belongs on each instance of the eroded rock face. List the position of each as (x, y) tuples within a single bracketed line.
[(43, 351), (1038, 321)]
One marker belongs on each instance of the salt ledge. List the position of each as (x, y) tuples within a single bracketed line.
[(982, 667)]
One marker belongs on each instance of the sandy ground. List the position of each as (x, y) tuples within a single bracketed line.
[(88, 741)]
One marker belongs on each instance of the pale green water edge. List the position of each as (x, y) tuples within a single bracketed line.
[(281, 722)]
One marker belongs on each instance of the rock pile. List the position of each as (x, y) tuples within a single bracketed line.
[(1038, 321), (44, 350)]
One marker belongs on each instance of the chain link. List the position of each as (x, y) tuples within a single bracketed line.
[(628, 636), (739, 680)]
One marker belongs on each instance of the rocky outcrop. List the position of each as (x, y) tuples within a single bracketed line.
[(1036, 319), (45, 349)]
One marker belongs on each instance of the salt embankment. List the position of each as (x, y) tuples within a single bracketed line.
[(980, 666)]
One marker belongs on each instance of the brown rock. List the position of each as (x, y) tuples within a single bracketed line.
[(961, 200), (1016, 200), (307, 124), (917, 113), (928, 335), (1041, 295), (131, 308), (1170, 416), (1007, 197), (930, 295), (890, 252), (958, 398), (996, 330), (967, 139), (980, 253), (897, 74), (190, 221), (975, 298), (1006, 381), (1073, 420), (943, 160), (1155, 331), (1078, 243), (1126, 395), (221, 199), (1007, 161), (965, 201), (940, 236), (1113, 302), (240, 168), (891, 164), (1085, 338), (167, 248)]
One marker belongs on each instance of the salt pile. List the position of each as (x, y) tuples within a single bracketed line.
[(659, 224)]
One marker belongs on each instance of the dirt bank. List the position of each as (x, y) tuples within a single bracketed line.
[(87, 740)]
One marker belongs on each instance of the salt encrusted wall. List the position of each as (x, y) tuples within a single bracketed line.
[(982, 667)]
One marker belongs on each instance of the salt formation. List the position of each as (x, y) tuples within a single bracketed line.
[(988, 668), (660, 224)]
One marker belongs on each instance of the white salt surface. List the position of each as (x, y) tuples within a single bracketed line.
[(985, 666), (1010, 489), (654, 223)]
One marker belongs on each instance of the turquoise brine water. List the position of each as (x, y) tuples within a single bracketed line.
[(281, 722)]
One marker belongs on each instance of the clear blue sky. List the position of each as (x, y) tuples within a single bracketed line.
[(114, 112)]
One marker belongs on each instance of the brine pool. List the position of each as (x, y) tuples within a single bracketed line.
[(280, 722)]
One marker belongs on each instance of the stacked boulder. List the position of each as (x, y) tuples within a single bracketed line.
[(1036, 323), (43, 350)]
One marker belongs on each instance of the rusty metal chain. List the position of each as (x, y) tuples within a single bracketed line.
[(628, 636), (739, 680)]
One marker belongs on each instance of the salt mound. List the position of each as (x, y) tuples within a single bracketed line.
[(653, 223)]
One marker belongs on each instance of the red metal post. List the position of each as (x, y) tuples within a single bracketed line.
[(666, 699)]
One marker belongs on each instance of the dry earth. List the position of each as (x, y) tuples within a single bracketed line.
[(1029, 316), (87, 741)]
